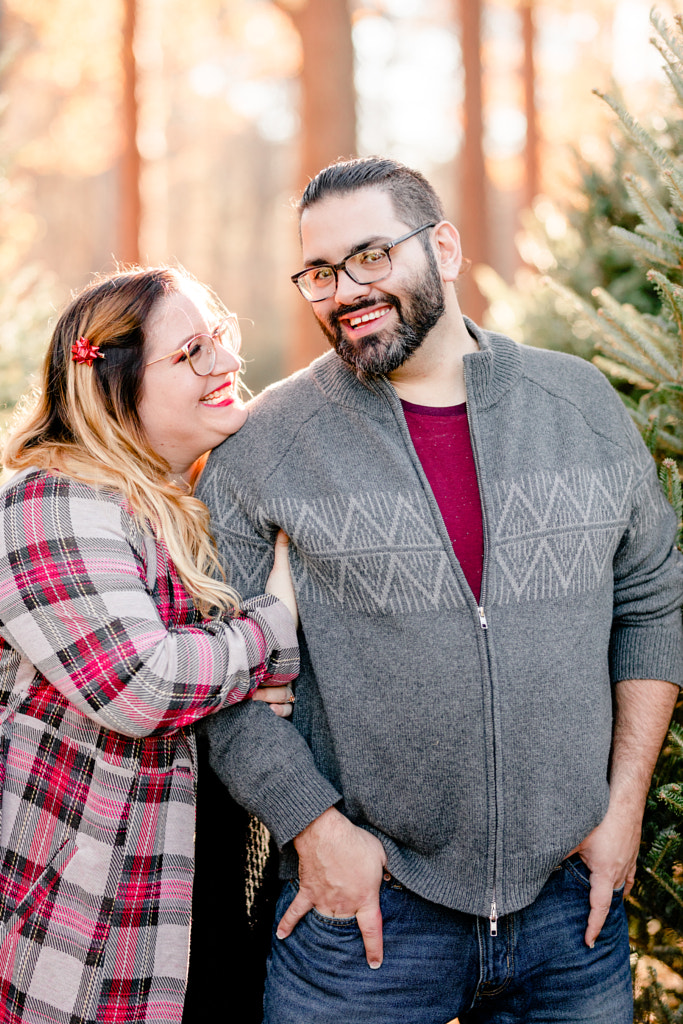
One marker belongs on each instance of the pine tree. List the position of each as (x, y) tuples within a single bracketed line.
[(642, 349), (26, 288), (570, 241), (615, 265)]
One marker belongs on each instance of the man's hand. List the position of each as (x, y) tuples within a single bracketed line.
[(609, 852), (643, 709), (340, 871)]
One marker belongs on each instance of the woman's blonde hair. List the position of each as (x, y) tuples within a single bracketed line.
[(85, 422)]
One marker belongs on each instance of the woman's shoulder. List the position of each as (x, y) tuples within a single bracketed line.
[(61, 504), (35, 484)]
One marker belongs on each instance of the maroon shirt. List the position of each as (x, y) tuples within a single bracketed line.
[(442, 441)]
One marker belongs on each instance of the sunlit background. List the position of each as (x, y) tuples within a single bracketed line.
[(158, 130)]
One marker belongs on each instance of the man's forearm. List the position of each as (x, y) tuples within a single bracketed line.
[(642, 713), (268, 768)]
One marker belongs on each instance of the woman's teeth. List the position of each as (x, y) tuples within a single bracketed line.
[(216, 397)]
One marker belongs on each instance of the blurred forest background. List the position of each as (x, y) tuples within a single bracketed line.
[(155, 130), (159, 131)]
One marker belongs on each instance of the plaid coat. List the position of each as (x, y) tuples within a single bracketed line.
[(102, 670)]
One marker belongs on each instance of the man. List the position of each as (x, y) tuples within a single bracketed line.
[(489, 601)]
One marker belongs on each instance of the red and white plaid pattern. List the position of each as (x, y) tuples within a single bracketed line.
[(98, 678)]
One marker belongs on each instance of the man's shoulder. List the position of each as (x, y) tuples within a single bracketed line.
[(274, 403), (562, 368), (567, 376), (275, 418)]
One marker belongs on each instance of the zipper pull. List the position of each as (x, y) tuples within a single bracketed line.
[(483, 623), (493, 919)]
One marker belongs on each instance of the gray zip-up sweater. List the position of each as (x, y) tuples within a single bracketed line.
[(471, 738)]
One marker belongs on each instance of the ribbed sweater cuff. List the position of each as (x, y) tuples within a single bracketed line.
[(646, 653), (294, 802)]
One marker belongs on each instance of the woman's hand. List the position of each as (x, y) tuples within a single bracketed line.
[(279, 582), (280, 698)]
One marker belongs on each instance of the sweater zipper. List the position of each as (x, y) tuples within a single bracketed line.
[(493, 917), (483, 622)]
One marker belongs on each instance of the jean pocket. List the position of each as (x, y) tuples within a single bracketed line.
[(334, 922), (577, 871), (289, 891)]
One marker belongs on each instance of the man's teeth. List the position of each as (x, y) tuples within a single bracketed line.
[(366, 317)]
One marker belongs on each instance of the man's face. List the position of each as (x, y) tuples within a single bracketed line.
[(373, 327)]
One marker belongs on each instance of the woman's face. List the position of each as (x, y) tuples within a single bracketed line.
[(184, 415)]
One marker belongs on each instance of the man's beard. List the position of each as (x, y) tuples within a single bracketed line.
[(385, 351)]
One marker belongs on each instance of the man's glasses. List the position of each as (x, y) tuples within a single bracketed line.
[(200, 351), (318, 283)]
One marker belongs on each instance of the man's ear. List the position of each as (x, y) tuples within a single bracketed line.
[(448, 252)]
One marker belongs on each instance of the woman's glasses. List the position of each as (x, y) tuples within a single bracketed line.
[(200, 351)]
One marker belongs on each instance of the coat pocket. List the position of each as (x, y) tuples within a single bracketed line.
[(36, 896), (52, 945)]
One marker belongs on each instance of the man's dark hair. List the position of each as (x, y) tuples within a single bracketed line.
[(414, 199)]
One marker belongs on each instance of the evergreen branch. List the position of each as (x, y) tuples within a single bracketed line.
[(614, 349), (640, 135), (648, 251), (647, 206), (610, 342), (664, 239), (667, 954), (672, 298), (675, 45), (661, 323), (675, 82), (676, 735), (665, 885), (579, 307), (602, 329), (671, 482), (628, 399), (670, 442), (618, 371), (663, 844), (672, 794), (670, 73), (673, 388), (639, 337), (663, 438), (674, 184), (666, 402), (671, 69)]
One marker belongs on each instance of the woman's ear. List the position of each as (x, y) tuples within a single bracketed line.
[(448, 252)]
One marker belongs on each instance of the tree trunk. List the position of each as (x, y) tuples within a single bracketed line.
[(473, 203), (129, 196), (531, 183), (328, 122)]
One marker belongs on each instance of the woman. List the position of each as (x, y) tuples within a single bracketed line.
[(116, 635)]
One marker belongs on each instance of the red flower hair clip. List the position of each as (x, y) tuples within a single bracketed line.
[(84, 352)]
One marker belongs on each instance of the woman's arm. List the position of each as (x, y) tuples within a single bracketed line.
[(74, 601)]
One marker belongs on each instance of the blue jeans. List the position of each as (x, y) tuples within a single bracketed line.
[(440, 964)]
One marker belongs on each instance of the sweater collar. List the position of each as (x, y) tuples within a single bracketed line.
[(494, 369), (489, 374)]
